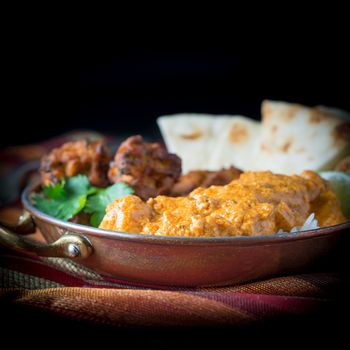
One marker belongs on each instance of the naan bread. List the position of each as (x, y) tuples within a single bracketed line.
[(237, 143), (191, 137), (208, 142), (289, 139), (295, 138)]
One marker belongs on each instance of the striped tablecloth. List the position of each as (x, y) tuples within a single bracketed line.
[(65, 288)]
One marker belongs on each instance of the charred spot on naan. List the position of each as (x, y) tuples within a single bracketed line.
[(342, 132), (316, 116), (274, 129), (238, 133), (192, 136), (286, 146), (286, 114), (289, 113)]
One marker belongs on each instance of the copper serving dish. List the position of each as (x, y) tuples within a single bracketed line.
[(175, 261)]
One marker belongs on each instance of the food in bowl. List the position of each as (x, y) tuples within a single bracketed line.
[(146, 166), (258, 203), (235, 176), (78, 182), (91, 158), (289, 138), (203, 178)]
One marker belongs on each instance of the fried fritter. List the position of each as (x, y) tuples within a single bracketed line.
[(77, 157), (202, 178), (147, 167)]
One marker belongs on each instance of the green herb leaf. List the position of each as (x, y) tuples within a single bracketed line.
[(97, 203), (77, 185), (55, 191), (72, 195), (65, 199), (96, 218)]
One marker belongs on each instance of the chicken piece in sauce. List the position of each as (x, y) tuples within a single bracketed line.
[(257, 203), (147, 167), (91, 158), (203, 178)]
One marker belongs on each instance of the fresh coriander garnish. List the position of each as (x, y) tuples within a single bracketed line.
[(75, 194), (97, 203)]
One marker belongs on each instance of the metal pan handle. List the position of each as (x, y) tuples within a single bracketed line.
[(70, 245), (24, 226)]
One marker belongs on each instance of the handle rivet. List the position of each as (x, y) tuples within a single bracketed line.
[(73, 250)]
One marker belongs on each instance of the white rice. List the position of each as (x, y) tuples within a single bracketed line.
[(309, 224)]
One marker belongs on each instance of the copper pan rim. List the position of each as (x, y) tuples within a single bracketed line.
[(173, 240)]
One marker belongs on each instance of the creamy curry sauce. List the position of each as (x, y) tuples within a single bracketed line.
[(257, 203)]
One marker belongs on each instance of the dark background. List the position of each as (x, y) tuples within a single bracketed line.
[(52, 86)]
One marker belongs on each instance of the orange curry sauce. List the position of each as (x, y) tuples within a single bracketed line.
[(257, 203)]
